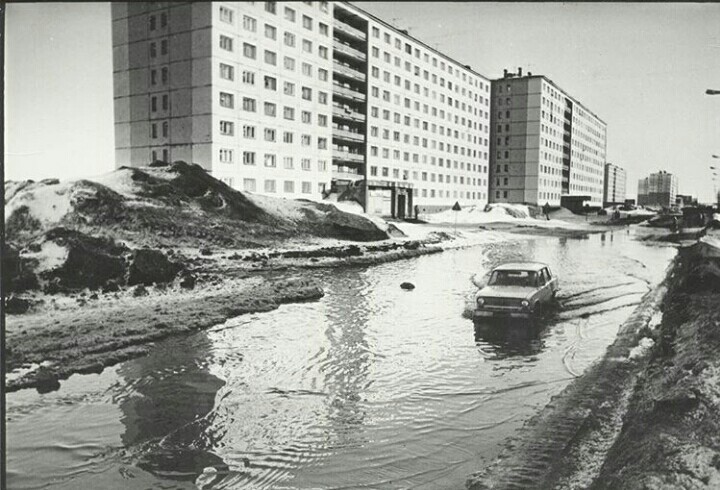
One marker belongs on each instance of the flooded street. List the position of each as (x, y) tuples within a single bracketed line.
[(370, 387)]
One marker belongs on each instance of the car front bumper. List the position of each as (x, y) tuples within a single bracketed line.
[(505, 313)]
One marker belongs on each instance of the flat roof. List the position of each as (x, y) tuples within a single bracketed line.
[(557, 87), (520, 266), (429, 48)]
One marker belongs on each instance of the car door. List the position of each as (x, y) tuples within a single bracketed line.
[(552, 284), (543, 291)]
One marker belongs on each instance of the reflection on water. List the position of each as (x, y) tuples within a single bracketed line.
[(370, 387)]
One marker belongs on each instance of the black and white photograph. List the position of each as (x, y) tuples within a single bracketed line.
[(360, 245)]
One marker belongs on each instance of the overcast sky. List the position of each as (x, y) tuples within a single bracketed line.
[(643, 68)]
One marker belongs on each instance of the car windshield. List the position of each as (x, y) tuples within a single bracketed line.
[(513, 278)]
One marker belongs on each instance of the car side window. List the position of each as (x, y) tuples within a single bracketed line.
[(547, 273), (541, 278)]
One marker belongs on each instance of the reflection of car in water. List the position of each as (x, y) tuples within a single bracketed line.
[(516, 290)]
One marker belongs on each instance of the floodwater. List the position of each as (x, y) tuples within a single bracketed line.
[(370, 387)]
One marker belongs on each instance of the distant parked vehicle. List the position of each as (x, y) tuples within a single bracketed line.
[(517, 290)]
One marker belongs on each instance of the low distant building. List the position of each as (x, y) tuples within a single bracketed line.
[(658, 189), (684, 200), (614, 189)]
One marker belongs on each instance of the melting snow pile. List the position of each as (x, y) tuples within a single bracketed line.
[(517, 214)]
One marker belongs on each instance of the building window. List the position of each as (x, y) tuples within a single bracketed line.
[(270, 58), (153, 23), (289, 186), (226, 43), (305, 140), (227, 128), (289, 14), (269, 186), (288, 163), (249, 104), (249, 185), (307, 187), (289, 39), (271, 7), (249, 157), (323, 28), (226, 156), (153, 50), (322, 120), (270, 134), (226, 15), (270, 109), (249, 23), (288, 137), (307, 69), (307, 22), (226, 100), (322, 165), (269, 160), (305, 163), (153, 104), (289, 63), (270, 32), (322, 74), (306, 117), (227, 72), (165, 130), (289, 88), (322, 143), (165, 102), (307, 46), (322, 97), (249, 132), (270, 83), (307, 93), (323, 52), (289, 113), (153, 77), (249, 51), (164, 75)]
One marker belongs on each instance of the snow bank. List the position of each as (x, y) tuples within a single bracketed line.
[(517, 214)]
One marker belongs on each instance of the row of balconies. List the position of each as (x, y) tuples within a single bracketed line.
[(348, 71), (348, 92), (339, 155), (342, 27), (344, 134), (348, 50), (347, 113)]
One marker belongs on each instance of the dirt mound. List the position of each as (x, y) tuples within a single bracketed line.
[(562, 213), (151, 266), (88, 262), (177, 204), (669, 437)]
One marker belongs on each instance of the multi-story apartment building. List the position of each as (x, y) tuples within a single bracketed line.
[(658, 189), (299, 100), (545, 145), (614, 191)]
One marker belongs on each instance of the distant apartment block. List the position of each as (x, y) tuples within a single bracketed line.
[(614, 191), (545, 144), (300, 100), (658, 189)]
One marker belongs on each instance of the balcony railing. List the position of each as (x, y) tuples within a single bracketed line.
[(346, 113), (348, 50), (337, 175), (346, 156), (348, 71), (346, 29), (347, 135), (348, 92)]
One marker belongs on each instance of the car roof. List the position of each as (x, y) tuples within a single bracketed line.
[(521, 266)]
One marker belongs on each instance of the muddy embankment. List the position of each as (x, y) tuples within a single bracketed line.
[(94, 271), (86, 330), (645, 416)]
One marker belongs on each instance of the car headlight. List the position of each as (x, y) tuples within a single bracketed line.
[(524, 303), (480, 301)]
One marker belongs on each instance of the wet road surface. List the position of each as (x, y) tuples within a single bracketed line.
[(371, 387)]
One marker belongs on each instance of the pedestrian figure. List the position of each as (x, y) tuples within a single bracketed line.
[(417, 211), (675, 224), (546, 211)]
